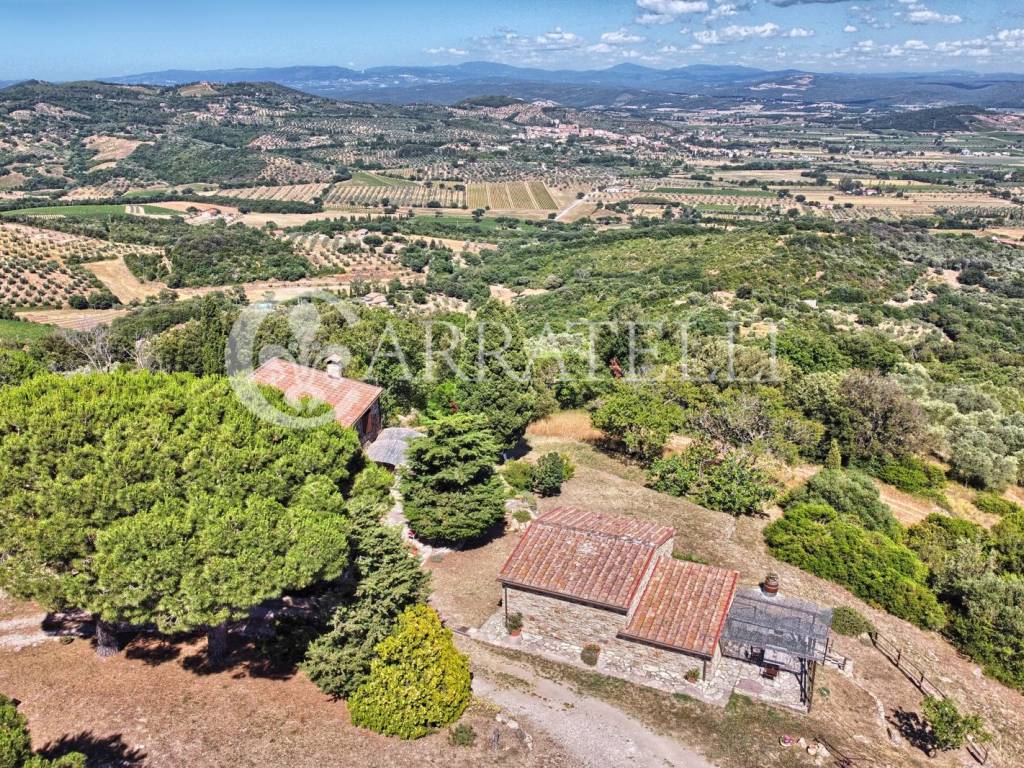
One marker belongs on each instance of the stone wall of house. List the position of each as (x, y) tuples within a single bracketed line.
[(562, 628)]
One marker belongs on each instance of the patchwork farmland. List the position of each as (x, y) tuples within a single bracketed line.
[(518, 195), (345, 195)]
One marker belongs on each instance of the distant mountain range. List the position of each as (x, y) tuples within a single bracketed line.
[(624, 85)]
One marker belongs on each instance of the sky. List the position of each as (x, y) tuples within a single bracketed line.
[(77, 39)]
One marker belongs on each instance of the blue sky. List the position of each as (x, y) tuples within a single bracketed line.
[(64, 39)]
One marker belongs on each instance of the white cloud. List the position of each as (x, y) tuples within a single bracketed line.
[(736, 32), (722, 10), (666, 11), (800, 32), (928, 16), (446, 51), (558, 39), (621, 37), (849, 28), (916, 45)]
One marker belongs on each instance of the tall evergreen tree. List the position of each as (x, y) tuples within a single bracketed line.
[(494, 372), (388, 579), (451, 492)]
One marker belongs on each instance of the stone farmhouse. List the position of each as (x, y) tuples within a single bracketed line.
[(582, 580), (591, 579)]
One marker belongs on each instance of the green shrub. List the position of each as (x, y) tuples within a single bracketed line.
[(461, 735), (16, 366), (514, 622), (853, 495), (911, 474), (816, 538), (987, 615), (637, 420), (419, 681), (518, 474), (949, 728), (522, 516), (850, 622), (729, 483), (589, 654), (551, 471), (1008, 543), (935, 537), (16, 743), (451, 492), (994, 504)]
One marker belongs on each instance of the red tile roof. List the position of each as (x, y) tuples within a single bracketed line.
[(349, 398), (683, 607), (586, 556)]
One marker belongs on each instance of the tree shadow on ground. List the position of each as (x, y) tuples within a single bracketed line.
[(914, 729), (153, 651), (100, 751), (245, 658)]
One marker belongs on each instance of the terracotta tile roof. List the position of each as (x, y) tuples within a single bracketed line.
[(683, 607), (586, 556), (349, 398)]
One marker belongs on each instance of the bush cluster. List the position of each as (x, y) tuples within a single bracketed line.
[(729, 483)]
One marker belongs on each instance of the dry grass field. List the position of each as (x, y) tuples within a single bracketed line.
[(110, 148), (114, 274), (153, 706), (73, 319)]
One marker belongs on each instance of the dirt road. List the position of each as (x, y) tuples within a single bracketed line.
[(596, 733)]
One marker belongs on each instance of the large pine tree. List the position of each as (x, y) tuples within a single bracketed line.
[(148, 498)]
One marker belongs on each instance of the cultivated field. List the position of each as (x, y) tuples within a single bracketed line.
[(302, 193), (42, 268), (114, 274), (518, 195), (348, 195)]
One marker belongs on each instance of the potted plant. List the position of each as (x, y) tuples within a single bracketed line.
[(514, 624), (589, 654), (692, 675), (771, 584)]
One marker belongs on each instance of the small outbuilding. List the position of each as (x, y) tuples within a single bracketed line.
[(391, 445), (356, 404)]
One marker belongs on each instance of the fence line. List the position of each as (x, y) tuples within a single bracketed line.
[(916, 674)]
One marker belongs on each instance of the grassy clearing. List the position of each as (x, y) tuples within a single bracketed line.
[(734, 192), (156, 210), (22, 332), (366, 179), (566, 425)]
